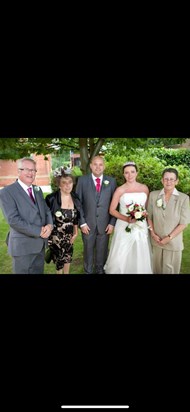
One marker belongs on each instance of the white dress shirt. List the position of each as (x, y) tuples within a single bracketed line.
[(25, 187)]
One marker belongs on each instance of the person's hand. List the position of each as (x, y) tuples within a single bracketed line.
[(109, 229), (46, 231), (131, 219), (73, 238), (164, 241), (85, 229), (50, 226), (156, 238)]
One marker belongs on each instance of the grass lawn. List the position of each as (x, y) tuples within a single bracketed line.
[(77, 264)]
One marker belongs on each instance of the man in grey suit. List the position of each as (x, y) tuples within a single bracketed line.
[(95, 191), (29, 218), (168, 215)]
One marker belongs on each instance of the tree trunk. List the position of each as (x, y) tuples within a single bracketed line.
[(89, 149), (83, 154)]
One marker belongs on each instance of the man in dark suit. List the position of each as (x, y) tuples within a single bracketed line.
[(29, 218), (95, 192)]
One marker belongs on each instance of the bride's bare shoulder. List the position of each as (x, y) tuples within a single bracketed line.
[(143, 188), (119, 192)]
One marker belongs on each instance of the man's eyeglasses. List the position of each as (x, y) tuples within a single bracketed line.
[(28, 170), (167, 179)]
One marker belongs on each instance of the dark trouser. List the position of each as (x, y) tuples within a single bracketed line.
[(29, 264), (95, 251)]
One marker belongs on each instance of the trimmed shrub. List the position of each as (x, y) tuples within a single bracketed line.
[(150, 170)]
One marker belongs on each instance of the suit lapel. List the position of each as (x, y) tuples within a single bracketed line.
[(102, 190), (39, 203), (92, 185), (103, 186), (24, 194)]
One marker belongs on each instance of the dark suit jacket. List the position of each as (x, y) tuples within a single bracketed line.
[(95, 209), (25, 219)]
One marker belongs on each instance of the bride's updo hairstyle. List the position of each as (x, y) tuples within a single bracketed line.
[(130, 164)]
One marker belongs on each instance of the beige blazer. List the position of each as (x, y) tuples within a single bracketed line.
[(177, 212)]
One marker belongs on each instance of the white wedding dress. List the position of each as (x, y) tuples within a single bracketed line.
[(130, 252)]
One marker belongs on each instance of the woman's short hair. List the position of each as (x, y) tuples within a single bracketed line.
[(170, 170)]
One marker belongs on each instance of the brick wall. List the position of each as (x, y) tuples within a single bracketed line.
[(8, 171)]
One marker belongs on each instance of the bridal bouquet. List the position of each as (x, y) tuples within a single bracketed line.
[(136, 211)]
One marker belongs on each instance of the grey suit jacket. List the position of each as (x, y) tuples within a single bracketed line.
[(95, 208), (177, 212), (25, 219)]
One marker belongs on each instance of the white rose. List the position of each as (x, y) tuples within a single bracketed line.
[(138, 215), (36, 188), (130, 208), (58, 214), (159, 202), (106, 182)]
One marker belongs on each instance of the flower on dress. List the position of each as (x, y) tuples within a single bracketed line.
[(36, 188), (160, 203), (106, 182), (58, 213), (136, 211)]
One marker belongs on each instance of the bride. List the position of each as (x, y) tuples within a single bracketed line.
[(130, 251)]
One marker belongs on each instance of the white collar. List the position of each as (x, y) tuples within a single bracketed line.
[(24, 186), (94, 178), (175, 192)]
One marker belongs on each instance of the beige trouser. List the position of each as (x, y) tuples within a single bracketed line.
[(166, 262)]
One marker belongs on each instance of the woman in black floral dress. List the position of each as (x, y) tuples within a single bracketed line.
[(65, 208)]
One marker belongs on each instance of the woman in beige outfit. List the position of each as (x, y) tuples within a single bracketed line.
[(168, 215)]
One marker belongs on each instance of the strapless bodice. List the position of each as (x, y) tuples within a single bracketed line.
[(128, 198)]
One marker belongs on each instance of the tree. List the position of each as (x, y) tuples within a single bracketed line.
[(15, 148)]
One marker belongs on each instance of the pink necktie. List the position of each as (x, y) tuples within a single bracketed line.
[(30, 194), (97, 184)]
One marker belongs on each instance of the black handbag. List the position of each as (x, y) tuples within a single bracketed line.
[(48, 255)]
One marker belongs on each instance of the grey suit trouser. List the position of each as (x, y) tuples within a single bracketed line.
[(166, 262), (32, 264), (95, 251)]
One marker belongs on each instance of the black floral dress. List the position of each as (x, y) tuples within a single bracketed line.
[(59, 241)]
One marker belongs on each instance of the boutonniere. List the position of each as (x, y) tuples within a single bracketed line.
[(160, 203), (58, 213), (106, 182), (36, 188)]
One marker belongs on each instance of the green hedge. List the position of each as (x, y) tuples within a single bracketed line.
[(150, 162), (172, 156), (150, 169)]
